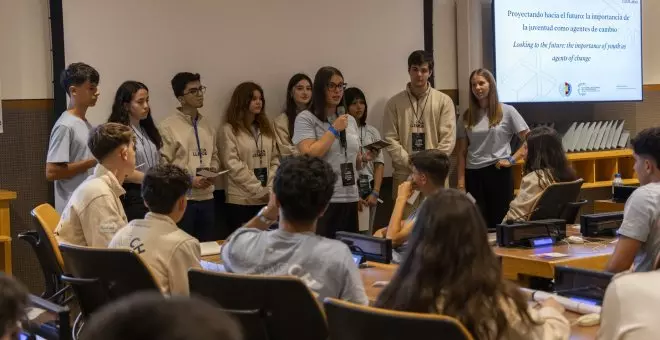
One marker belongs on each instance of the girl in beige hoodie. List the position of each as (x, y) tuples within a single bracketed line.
[(298, 98), (250, 154)]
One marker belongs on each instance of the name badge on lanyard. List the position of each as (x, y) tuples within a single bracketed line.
[(418, 141), (261, 172), (262, 175), (347, 174), (364, 185), (418, 135)]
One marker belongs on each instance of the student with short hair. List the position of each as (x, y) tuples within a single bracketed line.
[(131, 108), (298, 99), (429, 173), (14, 301), (168, 251), (483, 147), (418, 118), (146, 315), (371, 175), (639, 234), (94, 212), (451, 270), (302, 189), (69, 160), (545, 164), (318, 132), (189, 141), (250, 154)]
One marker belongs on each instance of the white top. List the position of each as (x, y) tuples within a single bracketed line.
[(641, 222)]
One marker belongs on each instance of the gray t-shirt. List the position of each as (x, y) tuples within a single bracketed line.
[(366, 135), (488, 145), (326, 266), (68, 144), (307, 126), (641, 222)]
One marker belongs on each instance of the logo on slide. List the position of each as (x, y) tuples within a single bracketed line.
[(565, 89)]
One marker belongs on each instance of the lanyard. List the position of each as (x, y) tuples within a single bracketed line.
[(418, 118), (199, 147), (260, 152)]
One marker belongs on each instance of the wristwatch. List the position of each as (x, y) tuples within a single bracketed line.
[(262, 216)]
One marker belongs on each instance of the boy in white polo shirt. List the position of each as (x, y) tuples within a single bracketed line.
[(167, 250), (94, 212)]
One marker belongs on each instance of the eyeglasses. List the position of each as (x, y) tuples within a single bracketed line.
[(332, 86), (196, 91)]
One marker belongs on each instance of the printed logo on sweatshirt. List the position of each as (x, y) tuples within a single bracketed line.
[(196, 153), (259, 153), (137, 245)]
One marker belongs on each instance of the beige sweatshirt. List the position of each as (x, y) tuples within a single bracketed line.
[(284, 143), (94, 212), (439, 117), (168, 251), (180, 148), (241, 157), (531, 188)]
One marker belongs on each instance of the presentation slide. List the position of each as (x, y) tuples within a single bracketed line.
[(568, 50)]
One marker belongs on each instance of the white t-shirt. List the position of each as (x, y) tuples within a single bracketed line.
[(641, 223), (630, 309)]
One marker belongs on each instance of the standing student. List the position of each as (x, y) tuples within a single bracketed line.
[(639, 235), (189, 142), (250, 154), (318, 132), (545, 164), (69, 161), (451, 270), (418, 118), (298, 98), (94, 213), (168, 251), (131, 108), (371, 175), (484, 135)]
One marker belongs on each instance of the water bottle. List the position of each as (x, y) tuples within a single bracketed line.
[(617, 182)]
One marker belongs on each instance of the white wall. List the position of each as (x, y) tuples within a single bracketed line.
[(444, 44), (651, 41), (25, 59)]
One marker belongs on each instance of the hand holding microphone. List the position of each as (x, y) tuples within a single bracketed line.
[(340, 125)]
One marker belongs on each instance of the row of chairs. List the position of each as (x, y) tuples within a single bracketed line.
[(267, 307)]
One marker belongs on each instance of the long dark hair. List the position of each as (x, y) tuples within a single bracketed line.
[(350, 95), (239, 106), (545, 154), (495, 113), (121, 115), (321, 81), (291, 108), (451, 269)]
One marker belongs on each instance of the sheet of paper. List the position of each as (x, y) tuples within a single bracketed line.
[(212, 266), (551, 255), (210, 248), (363, 219), (413, 198), (209, 174), (572, 305)]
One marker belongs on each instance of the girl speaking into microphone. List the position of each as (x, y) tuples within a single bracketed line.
[(328, 132), (250, 154)]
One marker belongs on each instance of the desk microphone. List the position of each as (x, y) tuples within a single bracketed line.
[(342, 134)]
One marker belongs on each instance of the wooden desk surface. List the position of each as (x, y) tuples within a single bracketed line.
[(602, 206), (7, 195), (384, 272)]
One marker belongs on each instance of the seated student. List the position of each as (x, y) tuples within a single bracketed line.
[(13, 302), (451, 270), (144, 315), (639, 234), (629, 307), (94, 212), (545, 164), (302, 189), (429, 172), (167, 250)]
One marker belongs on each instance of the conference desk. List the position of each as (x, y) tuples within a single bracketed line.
[(384, 272), (603, 206)]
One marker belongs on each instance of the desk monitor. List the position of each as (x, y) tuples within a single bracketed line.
[(374, 249), (581, 284)]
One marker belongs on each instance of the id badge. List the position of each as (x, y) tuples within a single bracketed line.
[(364, 185), (262, 175), (418, 141), (347, 174)]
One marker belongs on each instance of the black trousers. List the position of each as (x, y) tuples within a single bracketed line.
[(132, 202), (199, 220), (492, 188), (338, 217), (238, 214)]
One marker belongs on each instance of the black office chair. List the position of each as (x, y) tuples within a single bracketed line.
[(349, 321), (558, 201), (99, 276), (268, 307)]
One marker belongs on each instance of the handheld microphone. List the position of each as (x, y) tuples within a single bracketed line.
[(342, 134)]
